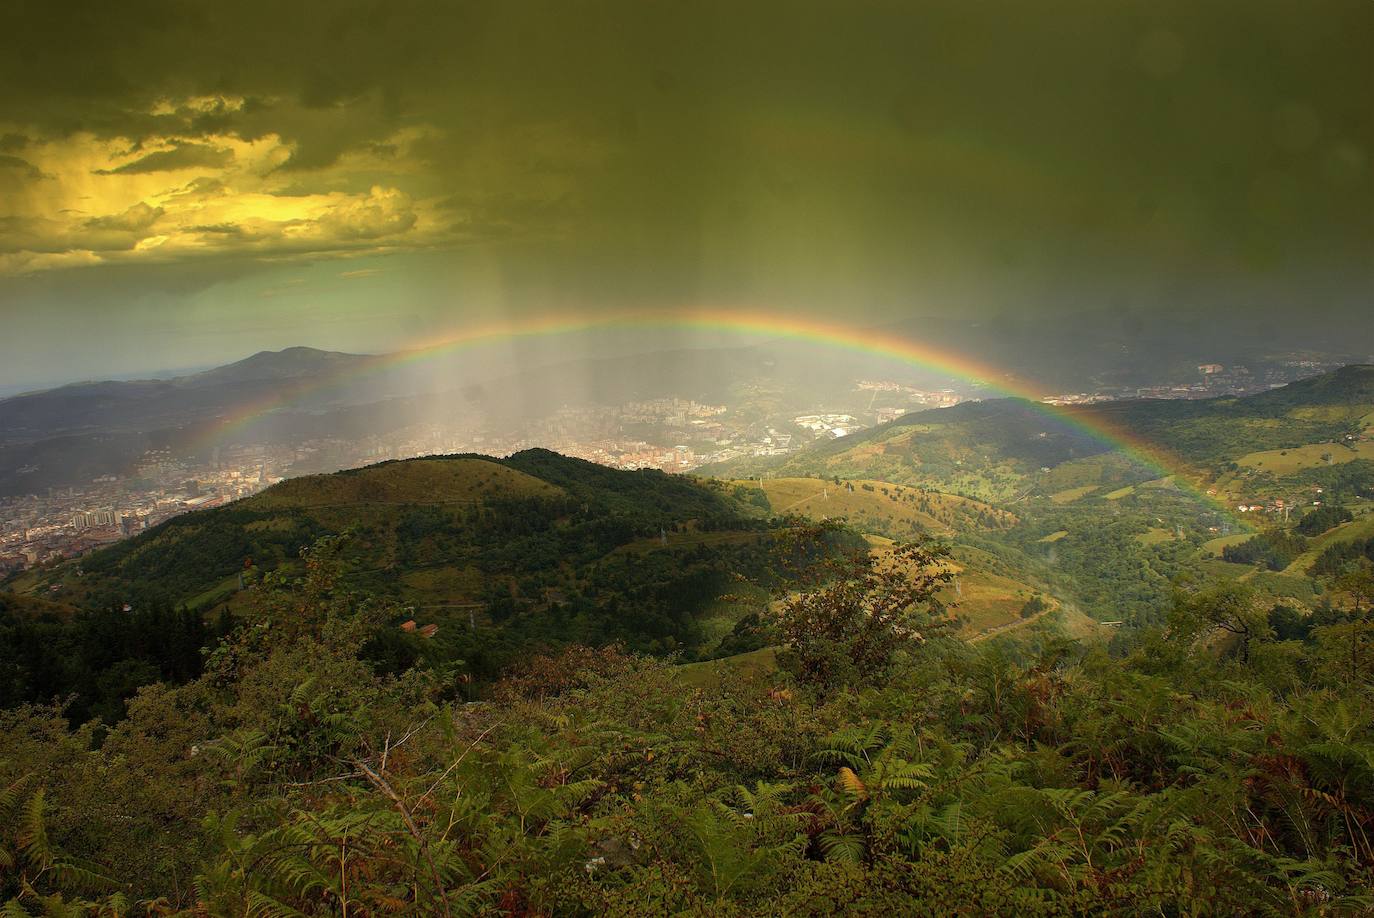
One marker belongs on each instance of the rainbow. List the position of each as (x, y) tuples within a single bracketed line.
[(768, 324)]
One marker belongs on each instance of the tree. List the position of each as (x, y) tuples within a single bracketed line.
[(1229, 608), (865, 608), (1356, 580)]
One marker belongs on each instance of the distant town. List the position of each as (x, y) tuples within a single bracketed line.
[(1213, 380), (671, 434)]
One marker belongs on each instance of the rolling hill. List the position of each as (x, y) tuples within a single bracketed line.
[(501, 553), (998, 449), (1089, 525), (878, 507), (420, 512)]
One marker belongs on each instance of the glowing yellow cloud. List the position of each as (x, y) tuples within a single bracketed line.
[(87, 200)]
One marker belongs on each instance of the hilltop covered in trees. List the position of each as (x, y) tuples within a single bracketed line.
[(503, 556)]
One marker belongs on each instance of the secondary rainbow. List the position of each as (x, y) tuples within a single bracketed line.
[(756, 323)]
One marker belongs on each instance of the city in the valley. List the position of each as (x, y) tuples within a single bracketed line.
[(675, 434)]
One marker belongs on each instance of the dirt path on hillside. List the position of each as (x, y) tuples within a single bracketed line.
[(798, 503), (1012, 625)]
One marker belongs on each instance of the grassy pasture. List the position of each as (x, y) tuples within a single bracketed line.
[(1225, 570), (985, 600), (1361, 527), (1072, 494), (1288, 461), (709, 673), (1213, 547), (674, 541), (453, 581), (895, 509)]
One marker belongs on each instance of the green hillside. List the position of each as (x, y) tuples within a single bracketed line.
[(879, 507), (418, 481), (1101, 656), (995, 450), (1219, 768), (1094, 526), (534, 514), (502, 555), (983, 450)]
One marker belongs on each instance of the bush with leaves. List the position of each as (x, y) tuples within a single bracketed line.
[(848, 626)]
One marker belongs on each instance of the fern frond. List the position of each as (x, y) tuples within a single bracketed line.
[(70, 873), (850, 783), (842, 848), (13, 794), (261, 905), (32, 831)]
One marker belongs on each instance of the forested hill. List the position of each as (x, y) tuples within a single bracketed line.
[(445, 516), (502, 555)]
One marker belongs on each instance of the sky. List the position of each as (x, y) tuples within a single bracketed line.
[(182, 184)]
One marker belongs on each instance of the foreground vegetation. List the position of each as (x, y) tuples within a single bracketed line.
[(1221, 764)]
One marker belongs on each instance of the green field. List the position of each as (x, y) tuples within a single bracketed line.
[(1079, 626), (986, 601), (1072, 494), (1154, 535), (709, 673), (890, 509), (674, 541), (215, 595), (1213, 547), (1283, 585), (443, 580), (1311, 456), (1225, 570), (1362, 527)]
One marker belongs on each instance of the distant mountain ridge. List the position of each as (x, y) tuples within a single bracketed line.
[(72, 434), (288, 363), (77, 432), (144, 404)]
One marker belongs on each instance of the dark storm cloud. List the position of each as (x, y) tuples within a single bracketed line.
[(941, 154), (180, 156), (22, 169), (138, 217)]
